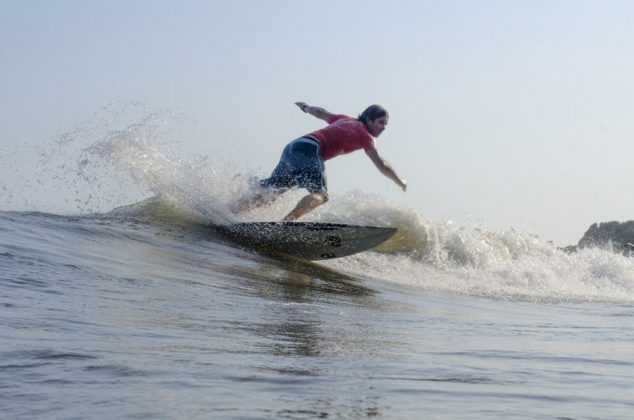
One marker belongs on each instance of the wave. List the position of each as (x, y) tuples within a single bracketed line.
[(106, 169), (447, 257), (470, 259)]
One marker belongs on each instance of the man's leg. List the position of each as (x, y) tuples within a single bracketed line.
[(306, 204), (270, 188)]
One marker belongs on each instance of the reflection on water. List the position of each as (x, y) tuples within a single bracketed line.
[(302, 330), (293, 338), (183, 314)]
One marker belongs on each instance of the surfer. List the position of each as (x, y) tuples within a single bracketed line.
[(302, 161)]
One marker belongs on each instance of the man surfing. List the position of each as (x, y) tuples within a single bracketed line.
[(302, 161)]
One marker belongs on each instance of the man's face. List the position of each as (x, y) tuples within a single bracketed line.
[(377, 126)]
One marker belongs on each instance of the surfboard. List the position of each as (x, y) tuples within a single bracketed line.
[(311, 241)]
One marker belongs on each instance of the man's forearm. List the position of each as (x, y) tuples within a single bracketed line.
[(316, 112), (387, 170)]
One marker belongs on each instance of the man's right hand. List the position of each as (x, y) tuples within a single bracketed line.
[(403, 184)]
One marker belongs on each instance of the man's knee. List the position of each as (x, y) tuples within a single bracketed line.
[(321, 196)]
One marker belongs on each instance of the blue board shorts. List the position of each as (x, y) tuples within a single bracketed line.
[(301, 165)]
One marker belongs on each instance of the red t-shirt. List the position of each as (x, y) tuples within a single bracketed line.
[(343, 135)]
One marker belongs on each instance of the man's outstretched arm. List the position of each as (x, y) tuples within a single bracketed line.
[(385, 168), (315, 111)]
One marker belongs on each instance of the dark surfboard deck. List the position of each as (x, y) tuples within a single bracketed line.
[(311, 241)]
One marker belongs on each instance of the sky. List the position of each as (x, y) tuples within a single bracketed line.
[(514, 113)]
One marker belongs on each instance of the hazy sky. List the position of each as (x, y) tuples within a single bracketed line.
[(516, 113)]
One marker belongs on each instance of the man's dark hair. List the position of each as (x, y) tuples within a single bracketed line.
[(373, 112)]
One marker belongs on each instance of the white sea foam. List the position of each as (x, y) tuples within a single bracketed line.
[(469, 259)]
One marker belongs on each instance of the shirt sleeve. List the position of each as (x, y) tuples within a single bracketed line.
[(368, 143)]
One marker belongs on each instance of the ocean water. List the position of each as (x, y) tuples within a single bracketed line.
[(118, 303)]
